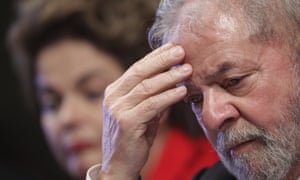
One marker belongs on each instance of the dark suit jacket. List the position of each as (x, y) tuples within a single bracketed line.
[(217, 172)]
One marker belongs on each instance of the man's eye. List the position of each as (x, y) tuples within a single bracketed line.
[(228, 83), (194, 100)]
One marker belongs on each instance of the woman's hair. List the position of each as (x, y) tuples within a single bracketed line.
[(116, 27)]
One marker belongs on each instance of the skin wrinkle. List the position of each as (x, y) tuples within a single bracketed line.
[(280, 153), (242, 135), (209, 74), (194, 19), (292, 132), (271, 26), (245, 109)]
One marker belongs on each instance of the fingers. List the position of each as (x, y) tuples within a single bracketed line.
[(132, 105), (152, 106), (156, 62), (157, 84)]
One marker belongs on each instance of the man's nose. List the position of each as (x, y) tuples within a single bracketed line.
[(218, 108)]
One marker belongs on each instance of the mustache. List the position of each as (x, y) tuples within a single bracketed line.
[(233, 137)]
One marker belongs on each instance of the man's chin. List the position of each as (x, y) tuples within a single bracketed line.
[(243, 165)]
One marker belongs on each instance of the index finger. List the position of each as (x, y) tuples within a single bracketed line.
[(152, 64)]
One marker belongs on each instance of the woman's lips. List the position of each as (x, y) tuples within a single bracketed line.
[(79, 147)]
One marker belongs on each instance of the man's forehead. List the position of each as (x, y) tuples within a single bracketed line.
[(207, 18)]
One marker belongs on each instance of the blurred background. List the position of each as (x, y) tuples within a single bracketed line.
[(23, 151)]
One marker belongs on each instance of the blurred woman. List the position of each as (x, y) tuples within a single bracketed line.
[(67, 52)]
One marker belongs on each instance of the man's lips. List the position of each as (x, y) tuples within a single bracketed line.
[(241, 147)]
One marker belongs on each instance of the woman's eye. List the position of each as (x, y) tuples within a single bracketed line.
[(50, 105), (93, 95)]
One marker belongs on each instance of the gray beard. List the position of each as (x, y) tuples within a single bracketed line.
[(275, 153)]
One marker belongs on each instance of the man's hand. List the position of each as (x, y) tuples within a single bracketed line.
[(133, 105)]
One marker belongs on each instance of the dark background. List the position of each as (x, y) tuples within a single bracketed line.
[(23, 151)]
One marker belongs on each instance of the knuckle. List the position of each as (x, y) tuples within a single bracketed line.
[(123, 122), (170, 76), (107, 104), (162, 60), (109, 87), (169, 95), (108, 98), (107, 101), (150, 106), (114, 111), (138, 70), (111, 104), (145, 87), (108, 90)]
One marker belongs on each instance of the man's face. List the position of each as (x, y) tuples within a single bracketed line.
[(243, 93)]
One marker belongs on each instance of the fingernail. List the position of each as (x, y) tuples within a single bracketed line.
[(167, 45), (177, 52), (185, 68), (181, 90)]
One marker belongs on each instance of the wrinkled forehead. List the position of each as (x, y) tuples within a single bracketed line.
[(210, 18)]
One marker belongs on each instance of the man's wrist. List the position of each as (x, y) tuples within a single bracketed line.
[(116, 176)]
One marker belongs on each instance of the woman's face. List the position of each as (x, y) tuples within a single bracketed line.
[(71, 78)]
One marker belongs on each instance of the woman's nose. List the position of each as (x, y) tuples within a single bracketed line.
[(70, 113)]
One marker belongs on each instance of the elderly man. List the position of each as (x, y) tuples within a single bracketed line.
[(236, 62)]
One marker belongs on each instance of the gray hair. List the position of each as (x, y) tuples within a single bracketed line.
[(165, 19), (265, 20)]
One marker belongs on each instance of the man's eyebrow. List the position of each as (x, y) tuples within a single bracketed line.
[(221, 69)]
